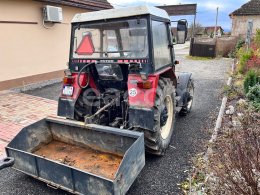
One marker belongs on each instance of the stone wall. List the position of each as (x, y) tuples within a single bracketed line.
[(239, 24)]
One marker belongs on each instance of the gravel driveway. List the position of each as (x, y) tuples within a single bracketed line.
[(161, 174)]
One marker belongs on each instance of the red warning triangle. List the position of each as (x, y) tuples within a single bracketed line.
[(86, 46)]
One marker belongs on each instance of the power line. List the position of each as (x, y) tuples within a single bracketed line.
[(215, 31)]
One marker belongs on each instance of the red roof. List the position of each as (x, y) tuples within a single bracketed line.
[(85, 4)]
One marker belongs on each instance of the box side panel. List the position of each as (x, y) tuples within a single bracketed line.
[(61, 176), (54, 172), (32, 137), (131, 166), (88, 184), (103, 141), (23, 161)]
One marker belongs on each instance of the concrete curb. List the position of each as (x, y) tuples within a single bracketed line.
[(220, 116), (219, 120), (36, 85), (222, 108)]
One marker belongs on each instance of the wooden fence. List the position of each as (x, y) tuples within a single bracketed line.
[(204, 48), (208, 47)]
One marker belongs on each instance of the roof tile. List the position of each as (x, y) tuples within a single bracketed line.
[(250, 8)]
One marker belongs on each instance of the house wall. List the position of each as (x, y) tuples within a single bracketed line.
[(225, 45), (239, 24), (29, 52)]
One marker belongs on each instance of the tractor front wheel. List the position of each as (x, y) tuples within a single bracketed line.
[(158, 140), (188, 99)]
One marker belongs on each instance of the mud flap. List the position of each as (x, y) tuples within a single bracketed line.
[(141, 117), (182, 85), (66, 108)]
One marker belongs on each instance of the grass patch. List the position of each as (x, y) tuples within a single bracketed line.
[(198, 58), (233, 91), (195, 181), (238, 80)]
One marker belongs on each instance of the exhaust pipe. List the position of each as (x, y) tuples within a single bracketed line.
[(6, 162)]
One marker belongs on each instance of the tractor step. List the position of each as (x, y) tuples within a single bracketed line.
[(79, 158)]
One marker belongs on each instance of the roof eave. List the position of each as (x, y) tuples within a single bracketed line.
[(244, 14), (80, 5)]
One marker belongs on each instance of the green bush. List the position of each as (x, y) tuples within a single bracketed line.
[(257, 38), (253, 96), (251, 79), (244, 57), (233, 54), (240, 44)]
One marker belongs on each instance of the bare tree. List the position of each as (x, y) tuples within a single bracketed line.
[(197, 30)]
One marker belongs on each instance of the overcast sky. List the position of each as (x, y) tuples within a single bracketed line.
[(206, 9)]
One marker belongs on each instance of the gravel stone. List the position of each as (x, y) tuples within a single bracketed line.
[(230, 110)]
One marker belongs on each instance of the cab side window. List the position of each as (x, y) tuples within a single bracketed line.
[(162, 55)]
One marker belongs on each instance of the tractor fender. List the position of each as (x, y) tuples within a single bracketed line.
[(171, 75), (182, 86)]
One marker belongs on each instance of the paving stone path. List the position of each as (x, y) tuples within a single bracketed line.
[(18, 110)]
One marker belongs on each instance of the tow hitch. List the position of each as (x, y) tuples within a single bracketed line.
[(6, 162)]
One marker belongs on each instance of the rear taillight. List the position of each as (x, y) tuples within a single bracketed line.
[(68, 80), (145, 84)]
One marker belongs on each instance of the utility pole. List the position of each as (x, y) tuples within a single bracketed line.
[(194, 26), (215, 31)]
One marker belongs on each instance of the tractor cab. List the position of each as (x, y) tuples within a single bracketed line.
[(133, 35)]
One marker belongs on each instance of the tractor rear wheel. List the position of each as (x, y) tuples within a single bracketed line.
[(158, 140), (84, 105)]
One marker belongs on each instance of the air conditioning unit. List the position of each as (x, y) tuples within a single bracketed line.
[(52, 14)]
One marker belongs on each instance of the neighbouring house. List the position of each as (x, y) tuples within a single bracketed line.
[(204, 31), (174, 30), (209, 31), (32, 50), (240, 17)]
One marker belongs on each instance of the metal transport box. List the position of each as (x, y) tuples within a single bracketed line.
[(81, 159)]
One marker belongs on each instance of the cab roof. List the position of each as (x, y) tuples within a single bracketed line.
[(120, 13)]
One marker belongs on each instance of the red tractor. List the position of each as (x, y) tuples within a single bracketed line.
[(121, 83), (122, 74)]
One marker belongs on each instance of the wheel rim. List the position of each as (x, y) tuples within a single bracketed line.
[(190, 99), (166, 127)]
